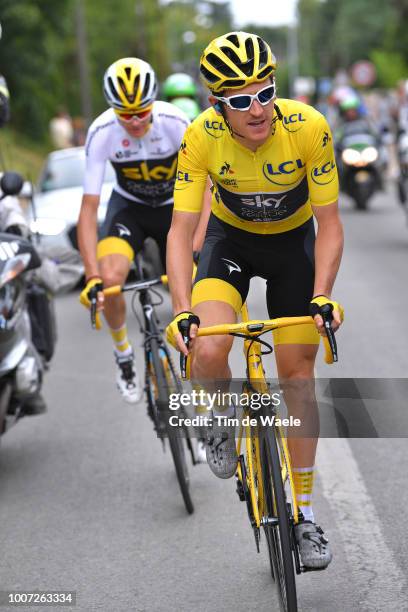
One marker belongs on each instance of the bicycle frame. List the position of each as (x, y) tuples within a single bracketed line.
[(256, 379)]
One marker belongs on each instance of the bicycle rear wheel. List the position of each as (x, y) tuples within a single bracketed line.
[(166, 383), (277, 529)]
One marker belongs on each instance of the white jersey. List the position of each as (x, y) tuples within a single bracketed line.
[(145, 167)]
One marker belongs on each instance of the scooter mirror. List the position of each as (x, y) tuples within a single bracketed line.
[(11, 183)]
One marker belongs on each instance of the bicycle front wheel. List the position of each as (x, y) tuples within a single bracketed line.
[(276, 523), (167, 383)]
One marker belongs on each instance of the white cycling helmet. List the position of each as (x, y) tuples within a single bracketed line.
[(130, 84)]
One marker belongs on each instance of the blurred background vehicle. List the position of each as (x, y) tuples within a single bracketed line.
[(361, 155), (58, 197), (22, 359)]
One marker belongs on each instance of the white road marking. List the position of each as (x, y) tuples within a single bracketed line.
[(372, 564)]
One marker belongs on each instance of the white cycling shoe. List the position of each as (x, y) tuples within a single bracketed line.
[(127, 379), (220, 450), (313, 545)]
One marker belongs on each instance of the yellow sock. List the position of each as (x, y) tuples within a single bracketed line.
[(120, 339), (303, 481)]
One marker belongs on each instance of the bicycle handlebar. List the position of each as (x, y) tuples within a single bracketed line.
[(254, 328), (117, 289)]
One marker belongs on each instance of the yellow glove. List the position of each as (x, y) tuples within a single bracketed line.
[(174, 327), (321, 300), (93, 287)]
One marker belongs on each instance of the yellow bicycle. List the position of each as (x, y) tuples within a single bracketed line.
[(264, 475)]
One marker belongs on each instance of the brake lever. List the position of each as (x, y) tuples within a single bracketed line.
[(326, 313), (93, 312), (184, 327)]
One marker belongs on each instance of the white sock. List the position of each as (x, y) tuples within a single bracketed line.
[(126, 353)]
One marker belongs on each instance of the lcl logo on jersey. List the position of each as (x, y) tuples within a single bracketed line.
[(183, 177), (323, 175), (291, 122), (214, 128), (280, 174), (182, 181), (157, 173)]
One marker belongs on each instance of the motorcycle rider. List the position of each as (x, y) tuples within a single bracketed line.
[(353, 118), (180, 89)]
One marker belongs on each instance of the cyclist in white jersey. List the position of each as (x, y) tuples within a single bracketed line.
[(141, 138)]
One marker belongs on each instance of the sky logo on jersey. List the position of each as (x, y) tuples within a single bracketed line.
[(214, 128), (263, 202), (292, 122), (142, 172), (281, 174), (325, 174)]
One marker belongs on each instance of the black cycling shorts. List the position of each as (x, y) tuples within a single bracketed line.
[(231, 257), (134, 222)]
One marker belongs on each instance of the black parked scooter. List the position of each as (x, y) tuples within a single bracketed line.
[(21, 364)]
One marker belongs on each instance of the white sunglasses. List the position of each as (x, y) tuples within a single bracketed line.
[(243, 102)]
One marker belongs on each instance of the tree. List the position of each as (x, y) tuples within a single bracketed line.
[(31, 58)]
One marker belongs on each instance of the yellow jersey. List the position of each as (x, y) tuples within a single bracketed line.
[(267, 191)]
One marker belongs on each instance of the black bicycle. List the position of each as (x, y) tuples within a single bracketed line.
[(161, 379)]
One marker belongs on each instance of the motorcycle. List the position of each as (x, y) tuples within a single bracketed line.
[(21, 365), (361, 164)]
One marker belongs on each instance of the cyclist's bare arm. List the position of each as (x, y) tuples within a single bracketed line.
[(199, 233), (328, 251), (88, 233), (179, 264)]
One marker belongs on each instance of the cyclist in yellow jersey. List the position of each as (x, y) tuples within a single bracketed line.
[(272, 165)]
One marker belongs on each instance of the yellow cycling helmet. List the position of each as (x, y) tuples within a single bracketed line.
[(235, 60), (130, 84)]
